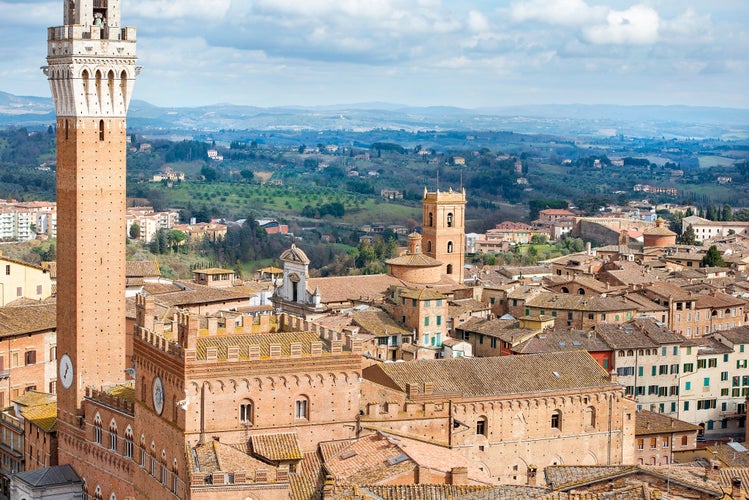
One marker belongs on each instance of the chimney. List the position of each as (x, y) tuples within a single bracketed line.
[(531, 475), (712, 471), (459, 476), (737, 492)]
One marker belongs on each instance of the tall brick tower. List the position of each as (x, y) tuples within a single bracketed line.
[(443, 225), (91, 71)]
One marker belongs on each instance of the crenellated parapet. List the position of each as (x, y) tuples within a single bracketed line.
[(106, 398)]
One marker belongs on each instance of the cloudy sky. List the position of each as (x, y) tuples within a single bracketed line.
[(468, 53)]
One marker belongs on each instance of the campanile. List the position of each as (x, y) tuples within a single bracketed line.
[(91, 68), (443, 225)]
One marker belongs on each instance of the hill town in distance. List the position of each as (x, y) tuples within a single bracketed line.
[(270, 305)]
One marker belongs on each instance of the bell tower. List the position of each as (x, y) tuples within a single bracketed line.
[(91, 68), (443, 225)]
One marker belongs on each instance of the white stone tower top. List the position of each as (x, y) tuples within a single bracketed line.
[(91, 61)]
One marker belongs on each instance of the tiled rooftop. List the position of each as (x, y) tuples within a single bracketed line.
[(277, 447), (498, 376), (27, 319), (648, 422), (378, 322)]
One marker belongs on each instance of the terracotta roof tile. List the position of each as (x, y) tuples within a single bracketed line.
[(43, 416), (277, 447), (27, 319), (378, 322), (648, 422), (340, 289), (369, 460), (142, 269), (497, 376)]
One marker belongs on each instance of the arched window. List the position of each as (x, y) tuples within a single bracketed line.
[(123, 85), (580, 291), (565, 289), (101, 130), (556, 420), (97, 429), (113, 435), (301, 410), (67, 129), (449, 247), (129, 442), (431, 219), (97, 493), (163, 467), (449, 219), (142, 450), (449, 269), (429, 246), (246, 413), (175, 477), (590, 417), (113, 496), (110, 86), (481, 427)]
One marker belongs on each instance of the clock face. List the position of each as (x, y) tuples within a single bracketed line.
[(158, 395), (66, 371)]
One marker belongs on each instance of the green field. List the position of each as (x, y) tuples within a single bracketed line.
[(284, 202)]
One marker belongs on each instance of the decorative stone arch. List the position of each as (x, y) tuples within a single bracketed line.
[(590, 458), (302, 407), (113, 441), (482, 425), (556, 460), (246, 411), (589, 418), (556, 419), (97, 428)]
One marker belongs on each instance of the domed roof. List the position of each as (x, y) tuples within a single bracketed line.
[(658, 230), (414, 260), (295, 255)]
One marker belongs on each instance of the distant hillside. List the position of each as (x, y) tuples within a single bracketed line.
[(564, 120)]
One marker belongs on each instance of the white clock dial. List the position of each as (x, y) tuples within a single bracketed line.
[(66, 371), (158, 395)]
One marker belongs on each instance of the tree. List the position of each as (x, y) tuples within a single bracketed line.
[(713, 258), (176, 238), (366, 254), (209, 173), (688, 236), (135, 231), (247, 175), (727, 213)]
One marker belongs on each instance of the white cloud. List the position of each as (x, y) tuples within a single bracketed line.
[(687, 27), (169, 10), (637, 25), (571, 13), (477, 22)]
